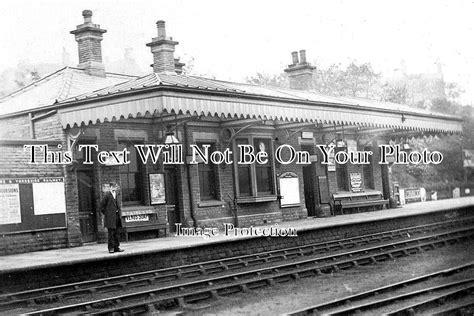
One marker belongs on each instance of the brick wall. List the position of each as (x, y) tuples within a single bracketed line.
[(163, 59), (15, 127), (14, 163), (33, 241), (89, 50)]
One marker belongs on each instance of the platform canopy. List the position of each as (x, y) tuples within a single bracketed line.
[(154, 94)]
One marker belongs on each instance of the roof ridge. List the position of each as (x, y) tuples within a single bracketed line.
[(220, 83), (48, 76), (157, 77), (107, 72), (66, 84), (96, 91)]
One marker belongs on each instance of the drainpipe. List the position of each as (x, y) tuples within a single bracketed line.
[(188, 174)]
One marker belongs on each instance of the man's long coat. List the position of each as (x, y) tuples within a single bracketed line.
[(109, 207)]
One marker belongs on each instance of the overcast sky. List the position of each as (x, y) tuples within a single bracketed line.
[(233, 39)]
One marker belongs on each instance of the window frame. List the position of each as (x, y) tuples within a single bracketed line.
[(213, 146), (141, 171), (255, 196)]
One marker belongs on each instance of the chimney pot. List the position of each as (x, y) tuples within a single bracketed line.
[(87, 14), (294, 56), (161, 29), (303, 56)]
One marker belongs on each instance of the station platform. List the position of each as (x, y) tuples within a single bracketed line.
[(90, 253)]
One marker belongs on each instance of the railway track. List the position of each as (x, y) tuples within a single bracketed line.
[(176, 274), (439, 293), (209, 286)]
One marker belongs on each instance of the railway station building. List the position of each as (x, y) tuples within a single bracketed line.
[(54, 205)]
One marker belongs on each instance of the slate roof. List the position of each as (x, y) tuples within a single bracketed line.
[(201, 83), (56, 87), (73, 84)]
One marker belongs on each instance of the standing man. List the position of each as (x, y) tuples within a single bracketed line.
[(110, 207)]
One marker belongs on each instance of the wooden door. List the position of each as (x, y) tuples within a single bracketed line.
[(87, 208), (172, 206)]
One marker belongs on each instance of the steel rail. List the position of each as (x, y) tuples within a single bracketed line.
[(441, 298), (468, 283), (220, 285), (458, 309), (374, 292), (50, 294)]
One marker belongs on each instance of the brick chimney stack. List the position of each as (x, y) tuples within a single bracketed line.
[(162, 48), (88, 37), (300, 72)]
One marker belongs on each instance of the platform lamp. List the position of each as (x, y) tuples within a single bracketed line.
[(170, 138), (340, 143)]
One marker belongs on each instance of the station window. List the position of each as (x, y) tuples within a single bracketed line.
[(243, 172), (263, 172), (208, 185), (131, 176), (255, 179)]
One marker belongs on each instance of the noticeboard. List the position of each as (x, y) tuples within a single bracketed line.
[(28, 204), (289, 189)]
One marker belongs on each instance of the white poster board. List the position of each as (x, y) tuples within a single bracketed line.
[(49, 198), (402, 197), (423, 194), (456, 193), (289, 189), (10, 212)]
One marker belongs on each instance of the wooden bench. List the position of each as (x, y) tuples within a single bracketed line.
[(138, 228), (142, 219), (348, 200)]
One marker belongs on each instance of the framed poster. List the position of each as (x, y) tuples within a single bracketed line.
[(331, 161), (10, 212), (356, 181), (157, 188)]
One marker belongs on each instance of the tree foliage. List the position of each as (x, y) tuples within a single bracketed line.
[(264, 79), (355, 80), (395, 93)]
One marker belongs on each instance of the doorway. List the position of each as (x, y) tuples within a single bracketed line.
[(87, 207), (172, 205), (310, 189)]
